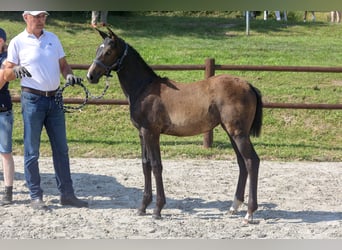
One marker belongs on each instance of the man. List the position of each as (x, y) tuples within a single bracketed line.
[(42, 54), (6, 120)]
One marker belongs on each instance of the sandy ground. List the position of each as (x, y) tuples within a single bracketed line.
[(296, 200)]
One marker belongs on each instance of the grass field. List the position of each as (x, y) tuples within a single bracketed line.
[(190, 38)]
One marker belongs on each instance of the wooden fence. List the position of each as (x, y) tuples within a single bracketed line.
[(209, 67)]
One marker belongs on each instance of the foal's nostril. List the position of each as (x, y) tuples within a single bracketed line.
[(89, 77)]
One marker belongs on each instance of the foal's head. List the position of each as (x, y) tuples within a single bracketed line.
[(109, 56)]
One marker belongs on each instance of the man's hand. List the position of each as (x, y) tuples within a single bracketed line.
[(21, 72), (71, 79)]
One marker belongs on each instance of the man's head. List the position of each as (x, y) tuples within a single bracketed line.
[(35, 20)]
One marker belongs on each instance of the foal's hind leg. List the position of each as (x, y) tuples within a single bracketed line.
[(248, 162), (239, 195)]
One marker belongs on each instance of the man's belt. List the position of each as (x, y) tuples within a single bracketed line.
[(40, 92)]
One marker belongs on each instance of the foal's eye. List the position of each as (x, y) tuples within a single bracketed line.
[(108, 53)]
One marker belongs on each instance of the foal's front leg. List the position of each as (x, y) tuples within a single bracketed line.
[(147, 170), (157, 169), (147, 197), (151, 149)]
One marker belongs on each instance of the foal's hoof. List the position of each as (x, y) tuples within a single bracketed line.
[(248, 219), (141, 212), (156, 216), (233, 211)]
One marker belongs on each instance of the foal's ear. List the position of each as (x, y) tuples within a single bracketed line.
[(103, 34), (111, 33)]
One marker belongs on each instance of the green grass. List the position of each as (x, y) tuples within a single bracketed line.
[(190, 38)]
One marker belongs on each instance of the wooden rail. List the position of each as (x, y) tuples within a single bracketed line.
[(209, 69), (271, 105)]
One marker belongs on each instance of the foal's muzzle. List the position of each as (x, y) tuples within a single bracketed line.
[(92, 75)]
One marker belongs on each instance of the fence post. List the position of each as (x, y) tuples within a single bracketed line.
[(209, 71)]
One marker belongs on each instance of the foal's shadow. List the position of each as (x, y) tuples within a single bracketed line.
[(272, 215), (109, 193), (201, 208), (106, 192)]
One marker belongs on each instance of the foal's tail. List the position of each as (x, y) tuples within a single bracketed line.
[(257, 122)]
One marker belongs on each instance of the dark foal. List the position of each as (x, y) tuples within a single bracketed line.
[(162, 106)]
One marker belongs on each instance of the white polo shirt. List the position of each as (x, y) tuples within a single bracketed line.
[(41, 58)]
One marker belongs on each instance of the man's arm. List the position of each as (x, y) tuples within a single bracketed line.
[(65, 67), (67, 72)]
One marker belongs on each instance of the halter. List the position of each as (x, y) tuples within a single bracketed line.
[(115, 66)]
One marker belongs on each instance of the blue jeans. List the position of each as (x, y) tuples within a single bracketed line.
[(39, 111), (6, 127)]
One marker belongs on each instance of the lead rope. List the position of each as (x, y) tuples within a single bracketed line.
[(68, 109), (103, 92)]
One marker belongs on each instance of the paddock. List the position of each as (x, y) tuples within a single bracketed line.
[(297, 200)]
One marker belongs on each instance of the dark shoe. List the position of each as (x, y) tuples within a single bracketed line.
[(72, 200), (38, 204), (8, 196), (5, 202)]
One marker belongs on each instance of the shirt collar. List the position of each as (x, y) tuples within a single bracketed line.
[(31, 34)]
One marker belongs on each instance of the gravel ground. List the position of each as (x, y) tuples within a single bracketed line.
[(297, 200)]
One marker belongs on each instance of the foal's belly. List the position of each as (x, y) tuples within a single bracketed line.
[(189, 125), (186, 131)]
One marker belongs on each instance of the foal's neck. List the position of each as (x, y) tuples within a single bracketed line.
[(135, 75)]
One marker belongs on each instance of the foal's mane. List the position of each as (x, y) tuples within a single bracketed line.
[(137, 55), (163, 80), (139, 58)]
